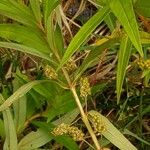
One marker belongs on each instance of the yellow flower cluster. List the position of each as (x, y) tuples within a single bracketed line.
[(72, 131), (144, 64), (85, 89), (70, 66), (50, 72), (97, 122)]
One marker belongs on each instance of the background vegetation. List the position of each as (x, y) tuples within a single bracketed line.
[(74, 74)]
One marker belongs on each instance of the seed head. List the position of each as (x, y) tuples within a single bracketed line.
[(70, 66), (50, 72), (72, 131), (85, 89), (97, 122), (60, 129), (75, 133)]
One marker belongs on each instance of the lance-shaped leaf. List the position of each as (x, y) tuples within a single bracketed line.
[(123, 59), (19, 93), (34, 140), (24, 35), (83, 33), (109, 131), (123, 10)]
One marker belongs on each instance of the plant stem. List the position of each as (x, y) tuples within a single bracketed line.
[(85, 119)]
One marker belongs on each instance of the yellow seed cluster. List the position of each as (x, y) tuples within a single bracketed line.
[(144, 64), (72, 131), (97, 122), (85, 89), (61, 129), (76, 134), (50, 72), (70, 66)]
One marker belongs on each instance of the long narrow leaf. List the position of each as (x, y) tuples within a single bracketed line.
[(19, 93), (35, 5), (34, 140), (18, 12), (26, 49), (83, 33), (24, 35), (123, 59), (123, 10), (110, 132), (10, 132)]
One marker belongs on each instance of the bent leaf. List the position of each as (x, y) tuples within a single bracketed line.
[(123, 10)]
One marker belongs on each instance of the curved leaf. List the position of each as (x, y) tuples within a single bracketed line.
[(123, 10)]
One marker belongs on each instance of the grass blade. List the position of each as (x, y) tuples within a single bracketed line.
[(123, 10), (123, 59)]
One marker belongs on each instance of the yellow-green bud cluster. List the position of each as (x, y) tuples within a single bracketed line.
[(85, 89), (97, 122), (50, 72), (70, 66), (76, 134), (60, 129), (72, 131), (144, 64)]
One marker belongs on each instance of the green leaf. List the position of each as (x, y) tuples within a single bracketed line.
[(18, 12), (48, 7), (135, 136), (111, 132), (34, 140), (125, 14), (35, 5), (10, 132), (145, 37), (68, 142), (19, 93), (123, 59), (142, 7), (83, 33), (30, 37), (26, 49), (19, 108)]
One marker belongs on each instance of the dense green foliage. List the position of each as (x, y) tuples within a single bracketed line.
[(66, 85)]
